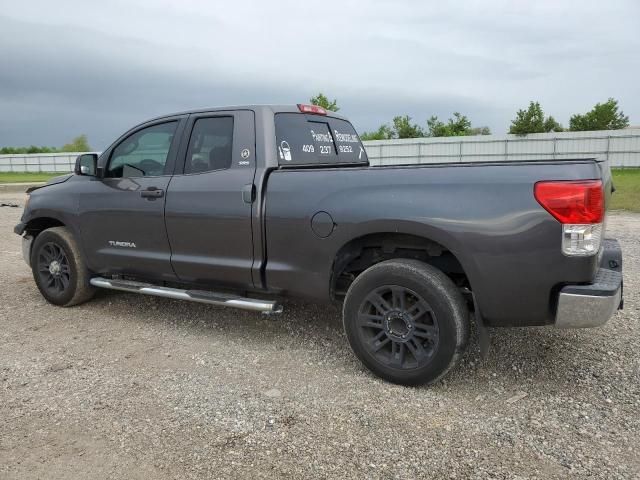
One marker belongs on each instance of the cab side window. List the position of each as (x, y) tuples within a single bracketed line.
[(210, 145), (143, 153)]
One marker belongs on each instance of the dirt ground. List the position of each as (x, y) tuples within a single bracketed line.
[(129, 386)]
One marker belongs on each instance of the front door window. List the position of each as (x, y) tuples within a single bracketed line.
[(143, 153)]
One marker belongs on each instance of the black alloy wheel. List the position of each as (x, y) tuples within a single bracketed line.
[(53, 268), (59, 269), (406, 321), (399, 327)]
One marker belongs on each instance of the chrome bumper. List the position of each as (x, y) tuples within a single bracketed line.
[(592, 305), (27, 240)]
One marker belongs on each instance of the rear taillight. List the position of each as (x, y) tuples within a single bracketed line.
[(579, 207), (311, 109), (572, 202)]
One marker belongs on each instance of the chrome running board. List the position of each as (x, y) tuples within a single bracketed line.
[(200, 296)]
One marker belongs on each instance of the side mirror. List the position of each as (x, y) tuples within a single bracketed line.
[(86, 164)]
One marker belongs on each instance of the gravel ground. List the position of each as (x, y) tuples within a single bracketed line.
[(139, 387)]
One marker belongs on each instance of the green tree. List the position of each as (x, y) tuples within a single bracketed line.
[(480, 131), (383, 133), (457, 126), (322, 101), (532, 120), (436, 128), (403, 128), (551, 125), (78, 144), (603, 116), (26, 150)]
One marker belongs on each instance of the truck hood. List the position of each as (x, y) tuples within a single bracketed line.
[(52, 181)]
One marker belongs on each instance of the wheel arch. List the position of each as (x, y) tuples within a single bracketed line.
[(366, 250), (37, 225)]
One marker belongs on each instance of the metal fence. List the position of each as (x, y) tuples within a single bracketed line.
[(620, 147), (39, 162), (61, 162)]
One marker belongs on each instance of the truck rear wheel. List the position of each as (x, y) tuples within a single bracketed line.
[(59, 269), (406, 321)]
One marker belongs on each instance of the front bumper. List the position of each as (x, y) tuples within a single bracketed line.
[(592, 305), (27, 240), (19, 228)]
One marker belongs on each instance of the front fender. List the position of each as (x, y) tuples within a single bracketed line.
[(52, 204)]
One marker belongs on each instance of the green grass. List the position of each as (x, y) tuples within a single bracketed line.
[(18, 177), (627, 194)]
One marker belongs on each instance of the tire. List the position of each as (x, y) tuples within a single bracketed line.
[(59, 269), (406, 321)]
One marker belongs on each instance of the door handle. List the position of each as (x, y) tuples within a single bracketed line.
[(152, 192), (249, 193)]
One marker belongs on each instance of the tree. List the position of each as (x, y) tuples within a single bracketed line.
[(551, 125), (403, 128), (436, 128), (457, 126), (480, 131), (27, 150), (383, 133), (78, 144), (603, 116), (322, 101), (532, 120)]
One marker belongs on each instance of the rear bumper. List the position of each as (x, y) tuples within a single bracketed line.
[(592, 305)]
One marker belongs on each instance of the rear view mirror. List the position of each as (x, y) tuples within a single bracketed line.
[(86, 164)]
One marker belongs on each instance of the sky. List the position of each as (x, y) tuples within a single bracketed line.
[(99, 68)]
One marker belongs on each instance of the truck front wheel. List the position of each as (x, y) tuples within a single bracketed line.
[(406, 321), (59, 268)]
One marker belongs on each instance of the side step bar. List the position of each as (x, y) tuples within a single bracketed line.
[(200, 296)]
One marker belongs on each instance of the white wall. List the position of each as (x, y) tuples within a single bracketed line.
[(620, 147), (39, 162)]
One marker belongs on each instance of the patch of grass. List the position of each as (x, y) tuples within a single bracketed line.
[(19, 177), (627, 194)]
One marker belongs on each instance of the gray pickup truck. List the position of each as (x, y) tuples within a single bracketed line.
[(243, 206)]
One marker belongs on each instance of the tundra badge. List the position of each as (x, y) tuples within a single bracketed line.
[(114, 243)]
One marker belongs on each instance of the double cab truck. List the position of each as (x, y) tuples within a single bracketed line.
[(245, 206)]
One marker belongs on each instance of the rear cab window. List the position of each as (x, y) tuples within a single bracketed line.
[(307, 140)]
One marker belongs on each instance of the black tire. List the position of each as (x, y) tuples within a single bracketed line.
[(406, 321), (59, 269)]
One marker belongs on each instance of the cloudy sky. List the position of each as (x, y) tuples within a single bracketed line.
[(71, 67)]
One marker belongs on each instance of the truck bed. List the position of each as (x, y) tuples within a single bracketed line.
[(484, 214)]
